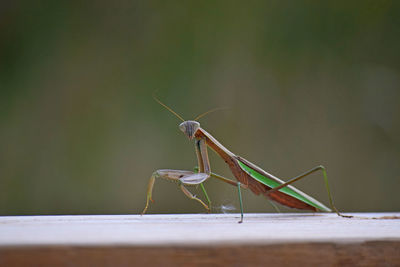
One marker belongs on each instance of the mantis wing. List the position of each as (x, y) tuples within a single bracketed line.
[(259, 181)]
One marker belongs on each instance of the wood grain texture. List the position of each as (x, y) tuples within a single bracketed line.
[(301, 254), (201, 239)]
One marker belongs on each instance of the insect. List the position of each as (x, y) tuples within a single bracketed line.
[(247, 174)]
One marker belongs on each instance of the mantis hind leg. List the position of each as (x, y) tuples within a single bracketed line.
[(325, 176), (182, 177)]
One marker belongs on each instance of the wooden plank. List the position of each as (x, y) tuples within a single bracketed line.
[(197, 229), (215, 239)]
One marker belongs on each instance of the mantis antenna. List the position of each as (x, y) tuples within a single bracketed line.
[(208, 112), (168, 108)]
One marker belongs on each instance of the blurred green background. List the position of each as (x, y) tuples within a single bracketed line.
[(306, 83)]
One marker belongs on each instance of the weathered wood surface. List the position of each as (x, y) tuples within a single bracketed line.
[(263, 239)]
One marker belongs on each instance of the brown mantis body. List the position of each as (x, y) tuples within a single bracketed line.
[(248, 175)]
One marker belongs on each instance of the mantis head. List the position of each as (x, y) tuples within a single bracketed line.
[(189, 128)]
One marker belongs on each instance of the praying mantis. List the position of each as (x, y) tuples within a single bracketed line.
[(248, 175)]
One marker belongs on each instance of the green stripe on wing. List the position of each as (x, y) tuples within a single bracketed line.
[(289, 190)]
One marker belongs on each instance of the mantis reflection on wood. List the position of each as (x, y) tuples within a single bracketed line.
[(248, 175)]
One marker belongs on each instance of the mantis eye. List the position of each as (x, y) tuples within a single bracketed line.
[(182, 127)]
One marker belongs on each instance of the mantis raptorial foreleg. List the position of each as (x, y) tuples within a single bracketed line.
[(182, 177), (191, 196)]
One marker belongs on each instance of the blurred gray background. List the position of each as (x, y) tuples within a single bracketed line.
[(305, 83)]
